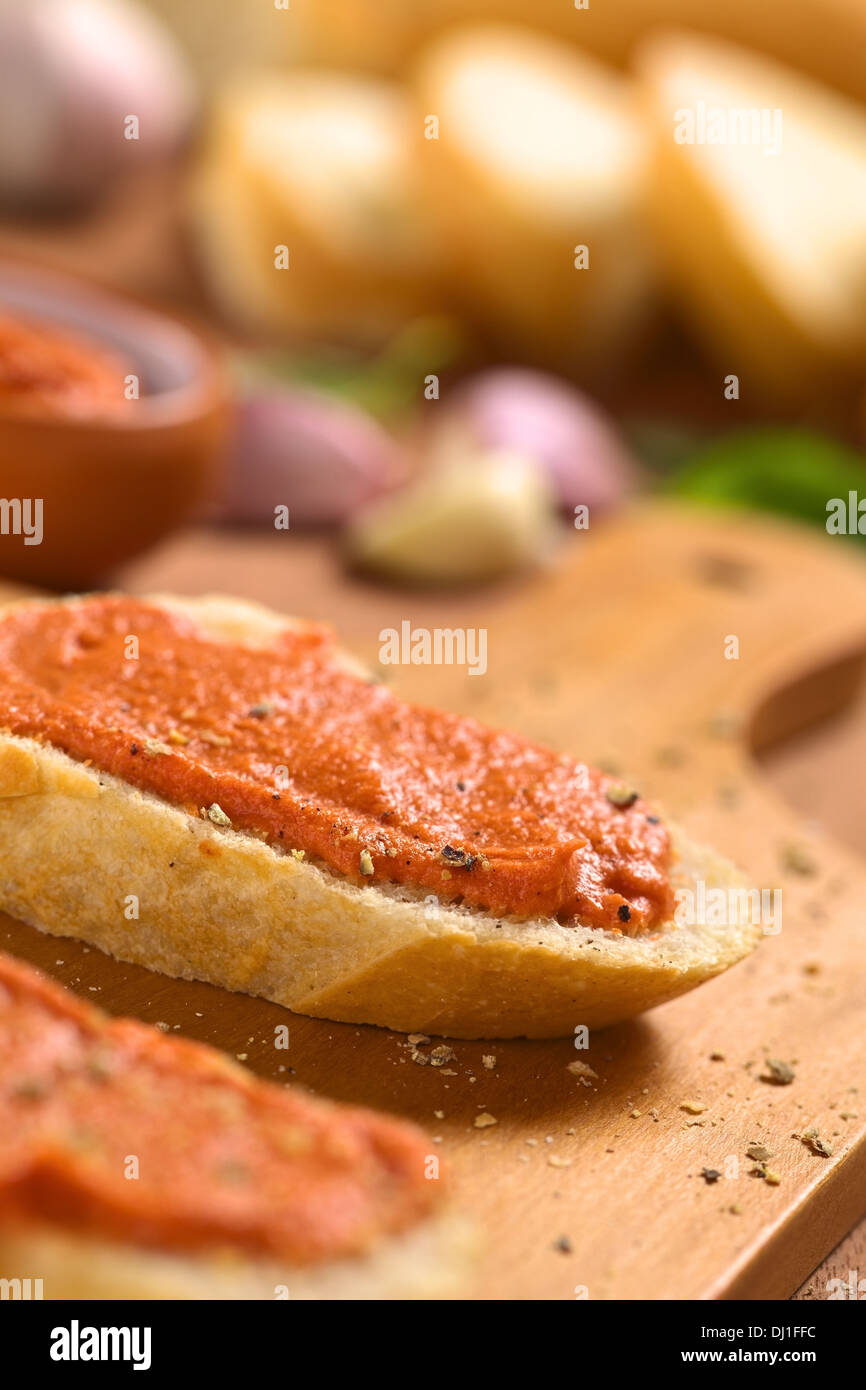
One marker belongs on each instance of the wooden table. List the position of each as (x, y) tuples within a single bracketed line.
[(305, 576), (136, 243)]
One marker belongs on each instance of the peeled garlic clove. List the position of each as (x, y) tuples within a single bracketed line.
[(478, 517), (545, 418)]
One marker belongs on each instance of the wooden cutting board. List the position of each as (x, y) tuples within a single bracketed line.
[(617, 654)]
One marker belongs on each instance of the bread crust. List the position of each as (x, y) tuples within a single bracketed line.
[(77, 846), (431, 1261)]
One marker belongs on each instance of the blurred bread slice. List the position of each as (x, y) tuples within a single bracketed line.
[(319, 163), (825, 38), (221, 36), (537, 152), (763, 237)]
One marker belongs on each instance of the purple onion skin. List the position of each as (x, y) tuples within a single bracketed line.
[(545, 418), (321, 459), (71, 73)]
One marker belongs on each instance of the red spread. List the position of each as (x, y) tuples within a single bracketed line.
[(48, 372), (223, 1161), (284, 742)]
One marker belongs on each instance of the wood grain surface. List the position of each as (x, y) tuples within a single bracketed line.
[(616, 654)]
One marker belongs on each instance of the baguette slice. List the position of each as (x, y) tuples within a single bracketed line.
[(319, 163), (537, 153), (244, 1190), (220, 905), (824, 38), (758, 196)]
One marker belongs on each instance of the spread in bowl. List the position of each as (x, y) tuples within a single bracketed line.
[(113, 417), (51, 373)]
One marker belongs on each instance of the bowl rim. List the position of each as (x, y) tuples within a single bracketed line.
[(206, 391)]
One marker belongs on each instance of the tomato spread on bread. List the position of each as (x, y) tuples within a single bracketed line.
[(284, 741), (48, 372), (112, 1129)]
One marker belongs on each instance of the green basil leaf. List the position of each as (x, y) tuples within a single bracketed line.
[(793, 473)]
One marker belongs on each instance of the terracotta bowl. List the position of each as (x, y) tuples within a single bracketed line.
[(110, 486)]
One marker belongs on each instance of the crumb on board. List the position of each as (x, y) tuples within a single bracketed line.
[(582, 1069), (778, 1073), (724, 723), (767, 1175), (799, 859), (812, 1139), (758, 1152)]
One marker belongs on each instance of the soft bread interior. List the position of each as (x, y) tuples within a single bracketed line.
[(428, 1262)]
